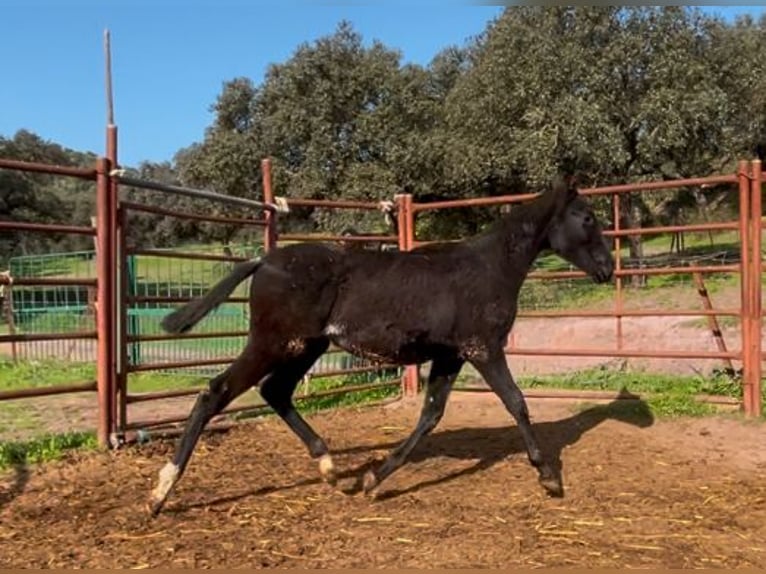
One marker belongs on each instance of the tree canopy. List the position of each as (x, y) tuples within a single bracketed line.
[(618, 94)]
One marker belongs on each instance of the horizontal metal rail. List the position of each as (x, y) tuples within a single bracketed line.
[(196, 193), (333, 204), (629, 271), (661, 185), (186, 255), (625, 353), (263, 407), (472, 202), (691, 228), (607, 190), (160, 422), (347, 389), (197, 336), (182, 336), (352, 370), (640, 231), (47, 228), (175, 299), (158, 395), (47, 281), (176, 393), (179, 364), (632, 313), (329, 237), (217, 425), (226, 360), (50, 169), (33, 337), (596, 395), (47, 391), (151, 209)]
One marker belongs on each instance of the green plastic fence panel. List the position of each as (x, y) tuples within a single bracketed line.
[(43, 309), (65, 310)]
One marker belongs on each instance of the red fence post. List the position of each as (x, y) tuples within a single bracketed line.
[(618, 300), (755, 304), (119, 374), (745, 284), (105, 309), (123, 307), (270, 231), (406, 221)]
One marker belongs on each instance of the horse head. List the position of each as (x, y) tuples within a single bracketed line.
[(575, 234)]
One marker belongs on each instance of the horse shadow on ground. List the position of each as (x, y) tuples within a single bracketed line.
[(487, 446), (15, 486)]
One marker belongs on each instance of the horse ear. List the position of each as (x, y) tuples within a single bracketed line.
[(562, 192)]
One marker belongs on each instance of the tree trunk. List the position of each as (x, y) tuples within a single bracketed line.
[(631, 219)]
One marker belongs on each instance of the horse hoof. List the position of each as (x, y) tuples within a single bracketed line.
[(327, 470), (369, 483), (552, 486), (154, 507)]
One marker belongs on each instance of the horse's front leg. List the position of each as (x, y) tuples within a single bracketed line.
[(495, 372)]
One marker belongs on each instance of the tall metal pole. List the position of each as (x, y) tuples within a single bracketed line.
[(112, 267), (755, 287), (270, 232), (411, 377), (745, 284), (105, 305)]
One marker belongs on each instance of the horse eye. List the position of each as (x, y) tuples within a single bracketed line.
[(588, 219)]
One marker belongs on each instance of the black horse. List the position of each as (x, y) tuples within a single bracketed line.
[(447, 303)]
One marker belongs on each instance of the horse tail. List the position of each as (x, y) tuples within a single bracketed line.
[(184, 318)]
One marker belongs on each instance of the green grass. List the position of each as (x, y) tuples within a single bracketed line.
[(614, 380), (348, 399), (15, 416), (34, 374), (18, 418), (669, 395), (51, 372), (44, 448)]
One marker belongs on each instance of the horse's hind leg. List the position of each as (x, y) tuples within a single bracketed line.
[(443, 373), (277, 390), (222, 389)]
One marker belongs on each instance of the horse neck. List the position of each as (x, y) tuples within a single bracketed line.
[(524, 233)]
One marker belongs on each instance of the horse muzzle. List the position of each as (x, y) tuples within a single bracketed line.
[(604, 273)]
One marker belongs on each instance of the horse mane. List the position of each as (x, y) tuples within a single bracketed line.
[(534, 215)]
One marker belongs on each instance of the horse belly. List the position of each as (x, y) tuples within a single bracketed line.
[(390, 349), (388, 337)]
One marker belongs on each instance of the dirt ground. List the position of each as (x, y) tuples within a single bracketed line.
[(639, 492)]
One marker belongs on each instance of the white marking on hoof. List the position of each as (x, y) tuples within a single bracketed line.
[(369, 483), (327, 468), (168, 477)]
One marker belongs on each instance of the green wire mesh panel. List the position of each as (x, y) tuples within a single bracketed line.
[(167, 276), (64, 310), (70, 309)]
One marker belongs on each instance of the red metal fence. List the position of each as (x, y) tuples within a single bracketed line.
[(748, 183), (112, 234)]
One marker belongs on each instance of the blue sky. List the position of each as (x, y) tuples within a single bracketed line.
[(171, 57)]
